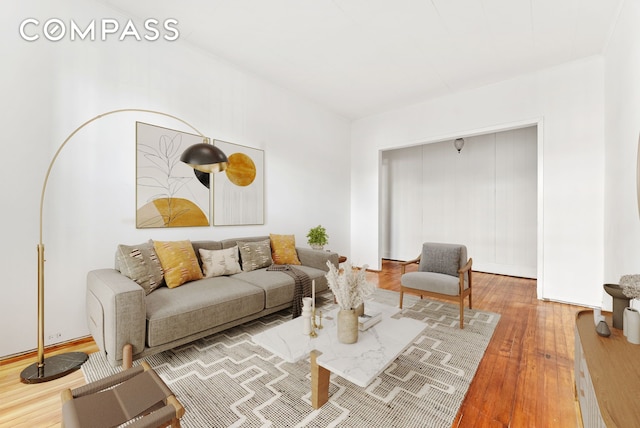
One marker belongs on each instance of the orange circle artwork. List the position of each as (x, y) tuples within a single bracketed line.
[(171, 212), (241, 170)]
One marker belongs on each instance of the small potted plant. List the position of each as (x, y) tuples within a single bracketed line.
[(317, 237)]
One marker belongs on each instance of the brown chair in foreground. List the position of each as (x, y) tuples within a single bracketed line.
[(120, 398), (443, 272)]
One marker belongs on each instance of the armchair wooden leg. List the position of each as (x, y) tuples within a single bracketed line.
[(175, 422), (461, 312), (401, 296)]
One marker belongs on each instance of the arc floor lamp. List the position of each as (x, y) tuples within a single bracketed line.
[(203, 157)]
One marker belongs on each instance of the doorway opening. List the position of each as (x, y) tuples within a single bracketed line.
[(485, 197)]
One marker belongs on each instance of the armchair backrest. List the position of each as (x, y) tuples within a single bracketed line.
[(442, 258)]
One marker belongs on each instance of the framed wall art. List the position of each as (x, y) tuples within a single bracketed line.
[(238, 192), (169, 193)]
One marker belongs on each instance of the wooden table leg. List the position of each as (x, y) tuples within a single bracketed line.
[(319, 382)]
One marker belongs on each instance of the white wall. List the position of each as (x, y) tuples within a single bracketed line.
[(49, 88), (622, 113), (484, 197), (568, 101)]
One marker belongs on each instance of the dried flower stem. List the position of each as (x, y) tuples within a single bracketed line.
[(630, 286), (351, 287)]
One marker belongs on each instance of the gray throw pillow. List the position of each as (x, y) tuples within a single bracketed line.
[(255, 255), (140, 263), (441, 259)]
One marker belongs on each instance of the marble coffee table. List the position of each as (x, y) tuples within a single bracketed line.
[(360, 362)]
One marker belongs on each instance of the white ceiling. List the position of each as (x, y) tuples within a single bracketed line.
[(361, 57)]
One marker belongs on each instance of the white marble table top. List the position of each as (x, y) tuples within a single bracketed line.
[(360, 362)]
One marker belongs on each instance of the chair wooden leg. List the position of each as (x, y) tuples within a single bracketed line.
[(65, 396), (401, 296), (461, 312)]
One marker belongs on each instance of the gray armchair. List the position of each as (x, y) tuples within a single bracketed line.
[(443, 272)]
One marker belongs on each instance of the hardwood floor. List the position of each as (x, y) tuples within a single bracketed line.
[(36, 405), (526, 376), (524, 380)]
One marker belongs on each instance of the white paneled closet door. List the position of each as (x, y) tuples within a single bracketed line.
[(516, 202), (484, 197), (401, 206)]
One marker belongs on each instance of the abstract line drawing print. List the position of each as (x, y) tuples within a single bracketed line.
[(169, 193)]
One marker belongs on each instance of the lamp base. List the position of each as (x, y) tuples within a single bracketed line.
[(54, 367)]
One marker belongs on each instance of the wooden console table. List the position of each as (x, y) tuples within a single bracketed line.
[(607, 373)]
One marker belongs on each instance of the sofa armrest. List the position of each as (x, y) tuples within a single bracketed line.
[(316, 258), (116, 313)]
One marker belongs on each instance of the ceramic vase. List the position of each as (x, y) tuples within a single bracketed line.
[(306, 315), (632, 325), (347, 326)]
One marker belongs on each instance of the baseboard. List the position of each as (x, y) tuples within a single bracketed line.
[(34, 352)]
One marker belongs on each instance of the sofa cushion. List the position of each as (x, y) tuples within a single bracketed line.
[(316, 275), (179, 262), (255, 255), (283, 250), (278, 286), (231, 242), (220, 262), (141, 264), (197, 306)]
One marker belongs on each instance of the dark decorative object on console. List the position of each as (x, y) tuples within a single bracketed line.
[(603, 329), (620, 301)]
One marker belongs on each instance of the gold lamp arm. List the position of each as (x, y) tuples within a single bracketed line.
[(65, 364), (100, 116)]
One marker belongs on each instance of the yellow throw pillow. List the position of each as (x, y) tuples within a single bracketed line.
[(283, 250), (179, 262)]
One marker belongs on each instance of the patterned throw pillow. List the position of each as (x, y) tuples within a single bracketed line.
[(179, 262), (283, 250), (140, 263), (220, 262), (255, 255)]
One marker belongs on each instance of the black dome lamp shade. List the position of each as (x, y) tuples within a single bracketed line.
[(205, 157)]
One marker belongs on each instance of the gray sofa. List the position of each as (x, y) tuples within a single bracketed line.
[(127, 323)]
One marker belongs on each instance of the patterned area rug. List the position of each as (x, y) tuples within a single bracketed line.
[(226, 380)]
